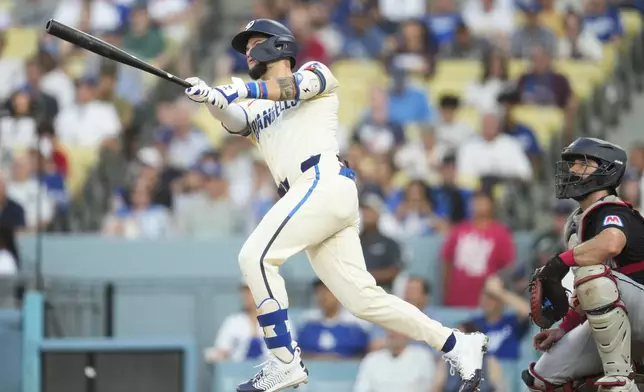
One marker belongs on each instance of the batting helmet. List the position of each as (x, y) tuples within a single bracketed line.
[(280, 43), (609, 159)]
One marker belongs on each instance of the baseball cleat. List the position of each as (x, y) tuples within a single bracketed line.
[(276, 375), (467, 359)]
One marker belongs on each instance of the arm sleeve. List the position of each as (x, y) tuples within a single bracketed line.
[(234, 118), (609, 216), (313, 79)]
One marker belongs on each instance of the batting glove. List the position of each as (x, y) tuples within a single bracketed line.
[(220, 96)]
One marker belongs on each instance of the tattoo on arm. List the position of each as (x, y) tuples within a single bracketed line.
[(288, 88)]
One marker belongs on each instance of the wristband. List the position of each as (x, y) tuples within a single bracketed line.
[(257, 90), (571, 320), (568, 258)]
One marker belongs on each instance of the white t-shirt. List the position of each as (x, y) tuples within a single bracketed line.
[(87, 125), (104, 15), (500, 19), (289, 132), (503, 157), (26, 194), (12, 75), (235, 335), (399, 11), (412, 371), (60, 86), (17, 133), (483, 96), (8, 264)]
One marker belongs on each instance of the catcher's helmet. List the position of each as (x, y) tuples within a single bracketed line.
[(280, 43), (609, 159)]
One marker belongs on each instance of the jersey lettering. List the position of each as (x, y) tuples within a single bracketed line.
[(613, 220), (267, 117)]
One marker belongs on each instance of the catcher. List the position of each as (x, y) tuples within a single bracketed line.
[(605, 314)]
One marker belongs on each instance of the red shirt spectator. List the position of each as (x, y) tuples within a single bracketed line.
[(311, 49), (473, 251)]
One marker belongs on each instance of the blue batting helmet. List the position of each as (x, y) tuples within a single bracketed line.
[(280, 43)]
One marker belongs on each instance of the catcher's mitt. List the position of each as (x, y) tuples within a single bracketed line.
[(548, 300)]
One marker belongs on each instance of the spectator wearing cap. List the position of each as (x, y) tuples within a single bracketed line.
[(443, 20), (578, 43), (464, 45), (493, 154), (382, 254), (240, 338), (482, 93), (12, 215), (140, 217), (376, 132), (363, 39), (88, 123), (178, 140), (212, 212), (400, 366), (603, 20), (408, 104), (452, 201), (412, 49), (521, 132), (331, 331), (532, 33), (450, 131), (474, 250)]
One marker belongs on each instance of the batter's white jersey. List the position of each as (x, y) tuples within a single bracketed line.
[(289, 132)]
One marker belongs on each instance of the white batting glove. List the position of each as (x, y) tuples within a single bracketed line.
[(220, 96)]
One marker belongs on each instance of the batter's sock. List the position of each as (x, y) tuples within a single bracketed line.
[(449, 344)]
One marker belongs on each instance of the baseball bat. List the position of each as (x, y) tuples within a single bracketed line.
[(102, 48)]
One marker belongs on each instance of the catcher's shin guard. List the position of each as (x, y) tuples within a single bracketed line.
[(599, 298), (536, 383)]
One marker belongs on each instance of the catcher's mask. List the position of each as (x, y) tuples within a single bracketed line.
[(280, 44), (597, 164)]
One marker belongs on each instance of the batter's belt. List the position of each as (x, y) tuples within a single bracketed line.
[(310, 162)]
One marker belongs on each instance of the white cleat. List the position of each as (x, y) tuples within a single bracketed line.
[(277, 376), (467, 359)]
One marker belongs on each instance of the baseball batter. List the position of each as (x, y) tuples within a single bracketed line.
[(605, 238), (292, 117)]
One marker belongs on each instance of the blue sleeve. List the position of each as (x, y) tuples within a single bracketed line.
[(425, 112), (520, 327), (619, 29), (306, 340), (533, 147)]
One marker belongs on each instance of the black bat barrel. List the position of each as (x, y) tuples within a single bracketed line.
[(102, 48)]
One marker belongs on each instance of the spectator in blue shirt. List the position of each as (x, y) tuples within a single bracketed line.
[(443, 21), (523, 133), (408, 104), (331, 332), (362, 38), (450, 200), (505, 330), (603, 20)]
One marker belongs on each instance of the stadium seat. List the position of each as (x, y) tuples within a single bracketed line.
[(470, 116), (517, 67), (363, 72), (22, 42), (545, 121), (81, 160), (583, 76), (632, 22), (458, 70)]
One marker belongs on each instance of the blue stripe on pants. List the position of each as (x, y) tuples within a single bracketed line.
[(281, 226)]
